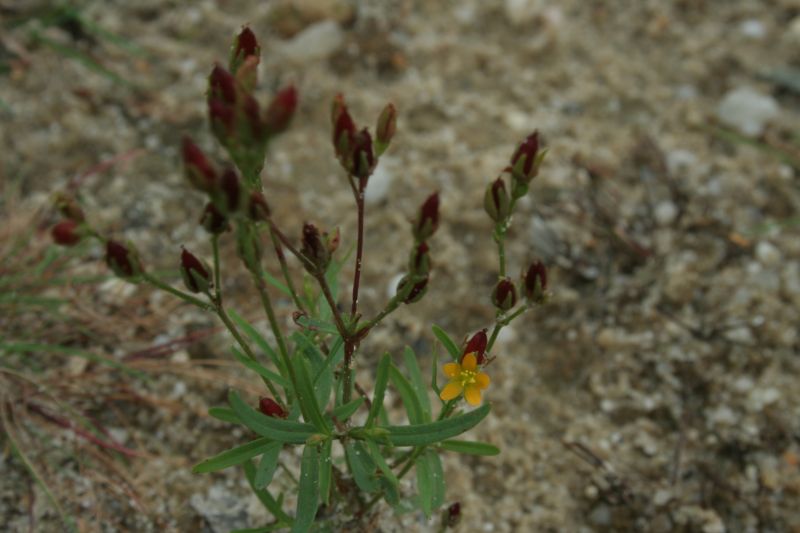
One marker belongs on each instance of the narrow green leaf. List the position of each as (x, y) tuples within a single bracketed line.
[(308, 490), (361, 466), (343, 412), (325, 471), (267, 465), (470, 447), (275, 282), (260, 341), (447, 342), (437, 478), (410, 360), (377, 457), (264, 496), (234, 456), (267, 426), (225, 414), (311, 352), (306, 398), (381, 380), (335, 355), (424, 484), (260, 370), (317, 325), (434, 373), (429, 433), (408, 395)]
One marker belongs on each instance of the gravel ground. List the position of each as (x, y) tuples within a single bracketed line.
[(656, 392)]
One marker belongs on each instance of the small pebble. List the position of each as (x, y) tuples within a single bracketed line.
[(747, 110)]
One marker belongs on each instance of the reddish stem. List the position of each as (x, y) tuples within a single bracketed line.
[(359, 246)]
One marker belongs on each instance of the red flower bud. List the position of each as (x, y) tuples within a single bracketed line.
[(504, 295), (535, 283), (453, 515), (230, 190), (477, 345), (252, 113), (525, 164), (415, 292), (344, 129), (245, 45), (316, 247), (222, 86), (122, 260), (363, 162), (213, 221), (69, 208), (258, 209), (198, 169), (496, 201), (66, 233), (270, 407), (223, 119), (281, 110), (195, 275), (420, 262), (428, 218), (384, 131)]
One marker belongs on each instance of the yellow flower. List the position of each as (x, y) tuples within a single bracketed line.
[(465, 378)]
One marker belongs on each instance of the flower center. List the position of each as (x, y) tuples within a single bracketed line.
[(467, 377)]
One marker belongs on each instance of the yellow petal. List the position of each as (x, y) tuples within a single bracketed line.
[(482, 380), (470, 362), (450, 391), (472, 394), (451, 370)]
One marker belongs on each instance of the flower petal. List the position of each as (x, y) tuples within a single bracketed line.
[(469, 362), (451, 370), (450, 391), (482, 380), (473, 394)]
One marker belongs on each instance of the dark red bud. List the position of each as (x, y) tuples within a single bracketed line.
[(69, 208), (387, 125), (222, 85), (428, 219), (246, 44), (270, 407), (535, 282), (198, 169), (416, 292), (66, 233), (252, 112), (496, 201), (230, 190), (363, 162), (213, 221), (525, 164), (281, 110), (195, 275), (122, 260), (477, 345), (420, 263), (258, 209), (504, 295), (453, 515), (314, 249), (344, 129), (223, 119)]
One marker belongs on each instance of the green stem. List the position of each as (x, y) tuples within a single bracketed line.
[(223, 315), (276, 243), (501, 323), (180, 294)]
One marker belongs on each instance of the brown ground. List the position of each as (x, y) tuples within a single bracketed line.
[(657, 392)]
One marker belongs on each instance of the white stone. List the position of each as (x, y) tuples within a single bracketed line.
[(665, 213), (747, 110), (680, 161), (752, 28), (391, 288), (521, 12), (767, 253), (315, 42), (380, 182)]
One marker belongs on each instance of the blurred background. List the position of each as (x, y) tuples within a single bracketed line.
[(656, 392)]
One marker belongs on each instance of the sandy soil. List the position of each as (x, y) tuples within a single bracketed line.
[(656, 392)]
